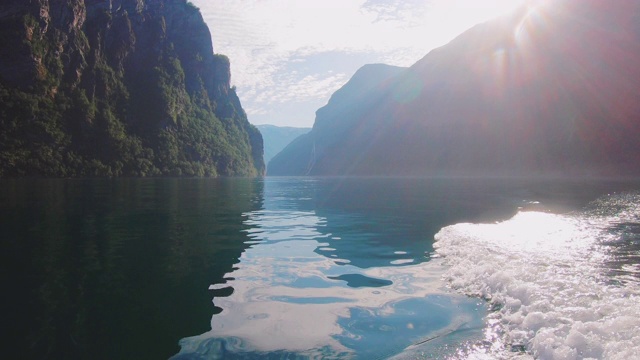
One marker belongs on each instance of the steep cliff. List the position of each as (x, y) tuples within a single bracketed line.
[(550, 90), (117, 88)]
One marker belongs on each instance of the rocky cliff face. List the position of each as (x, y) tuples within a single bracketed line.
[(551, 90), (117, 87)]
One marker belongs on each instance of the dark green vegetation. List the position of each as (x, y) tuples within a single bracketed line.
[(277, 138), (550, 92), (117, 88)]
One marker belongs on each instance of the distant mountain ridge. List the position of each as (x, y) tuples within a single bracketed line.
[(550, 90), (335, 120), (277, 138), (118, 88)]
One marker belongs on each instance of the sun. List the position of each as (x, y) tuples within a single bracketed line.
[(448, 18)]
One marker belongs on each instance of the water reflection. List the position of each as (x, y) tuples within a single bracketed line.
[(313, 286), (619, 216), (104, 269), (342, 267), (296, 267)]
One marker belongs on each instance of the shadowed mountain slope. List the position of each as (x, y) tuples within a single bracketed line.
[(551, 89), (277, 138), (335, 121)]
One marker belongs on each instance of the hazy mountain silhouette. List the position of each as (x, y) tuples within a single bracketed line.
[(276, 138), (335, 121), (551, 89)]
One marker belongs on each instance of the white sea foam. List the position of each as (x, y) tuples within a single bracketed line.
[(548, 278)]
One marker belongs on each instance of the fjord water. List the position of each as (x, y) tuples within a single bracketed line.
[(287, 268), (115, 269)]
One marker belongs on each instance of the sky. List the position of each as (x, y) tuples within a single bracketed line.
[(288, 56)]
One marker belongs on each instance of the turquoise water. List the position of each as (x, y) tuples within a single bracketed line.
[(278, 268)]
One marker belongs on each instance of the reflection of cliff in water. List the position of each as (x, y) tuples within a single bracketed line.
[(116, 269)]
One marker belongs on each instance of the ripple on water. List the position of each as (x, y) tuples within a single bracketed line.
[(562, 286)]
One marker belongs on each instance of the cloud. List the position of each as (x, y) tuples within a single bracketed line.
[(280, 50), (403, 11)]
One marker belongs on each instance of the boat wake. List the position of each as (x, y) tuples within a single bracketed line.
[(560, 286)]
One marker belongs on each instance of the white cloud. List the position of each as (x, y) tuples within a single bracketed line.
[(266, 39)]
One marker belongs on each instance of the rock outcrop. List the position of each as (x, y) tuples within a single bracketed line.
[(117, 88)]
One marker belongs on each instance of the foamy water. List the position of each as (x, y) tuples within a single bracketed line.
[(562, 286)]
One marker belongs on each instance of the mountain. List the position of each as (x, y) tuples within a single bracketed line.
[(118, 88), (277, 137), (335, 121), (552, 89)]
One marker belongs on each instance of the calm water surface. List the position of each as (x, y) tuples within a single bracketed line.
[(278, 268)]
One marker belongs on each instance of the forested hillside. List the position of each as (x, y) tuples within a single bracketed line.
[(118, 88)]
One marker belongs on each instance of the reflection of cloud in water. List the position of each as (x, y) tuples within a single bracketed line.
[(358, 280), (288, 298)]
